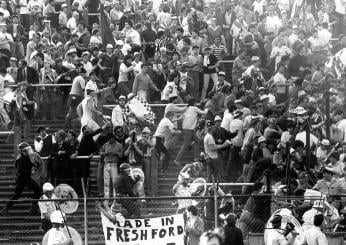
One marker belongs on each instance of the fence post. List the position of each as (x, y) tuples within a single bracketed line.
[(215, 201), (85, 214)]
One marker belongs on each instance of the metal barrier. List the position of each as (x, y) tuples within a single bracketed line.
[(251, 220)]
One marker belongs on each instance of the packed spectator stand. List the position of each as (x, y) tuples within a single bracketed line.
[(135, 100)]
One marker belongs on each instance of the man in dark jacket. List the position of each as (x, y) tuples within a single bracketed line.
[(24, 166), (124, 188), (43, 146), (233, 235), (87, 147)]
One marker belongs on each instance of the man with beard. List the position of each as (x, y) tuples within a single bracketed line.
[(24, 166)]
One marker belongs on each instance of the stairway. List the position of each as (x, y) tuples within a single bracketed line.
[(21, 228)]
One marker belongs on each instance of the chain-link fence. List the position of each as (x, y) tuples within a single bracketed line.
[(23, 224)]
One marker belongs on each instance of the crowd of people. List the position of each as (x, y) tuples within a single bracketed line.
[(257, 85)]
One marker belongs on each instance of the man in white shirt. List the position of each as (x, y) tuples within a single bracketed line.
[(63, 16), (189, 125), (72, 22), (323, 37), (118, 116), (293, 37), (163, 131), (76, 96), (47, 208), (314, 236), (214, 164)]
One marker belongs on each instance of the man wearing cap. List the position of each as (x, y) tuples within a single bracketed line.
[(63, 15), (47, 208), (24, 166), (119, 117), (255, 63), (124, 188), (322, 150)]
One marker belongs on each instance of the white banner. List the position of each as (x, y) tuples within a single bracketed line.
[(168, 230)]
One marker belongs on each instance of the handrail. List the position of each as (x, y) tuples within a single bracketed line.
[(151, 105), (6, 132), (41, 85), (77, 157)]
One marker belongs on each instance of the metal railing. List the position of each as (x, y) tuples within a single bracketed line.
[(87, 219)]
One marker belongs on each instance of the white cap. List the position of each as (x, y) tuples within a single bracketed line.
[(217, 118), (135, 53), (122, 97), (325, 142), (47, 187), (59, 44), (255, 58), (146, 130), (64, 5), (109, 45), (130, 96), (57, 217), (237, 101)]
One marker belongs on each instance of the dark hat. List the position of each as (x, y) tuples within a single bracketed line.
[(276, 219), (40, 129), (124, 166)]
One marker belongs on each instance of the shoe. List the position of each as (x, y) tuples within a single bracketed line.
[(4, 211)]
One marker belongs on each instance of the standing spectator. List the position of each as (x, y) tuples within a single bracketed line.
[(233, 235), (218, 49), (24, 167), (195, 66), (43, 146), (61, 169), (111, 153), (210, 64), (194, 226), (314, 235), (143, 83), (63, 15), (214, 164), (125, 74), (119, 117), (87, 148), (17, 32), (124, 188)]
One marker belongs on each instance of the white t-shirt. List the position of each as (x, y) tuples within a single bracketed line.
[(209, 141), (56, 236), (340, 6), (164, 129), (226, 120), (302, 137), (190, 117), (342, 126)]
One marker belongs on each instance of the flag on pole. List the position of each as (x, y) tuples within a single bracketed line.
[(106, 33)]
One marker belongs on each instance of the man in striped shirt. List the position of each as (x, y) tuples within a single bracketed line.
[(218, 49)]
